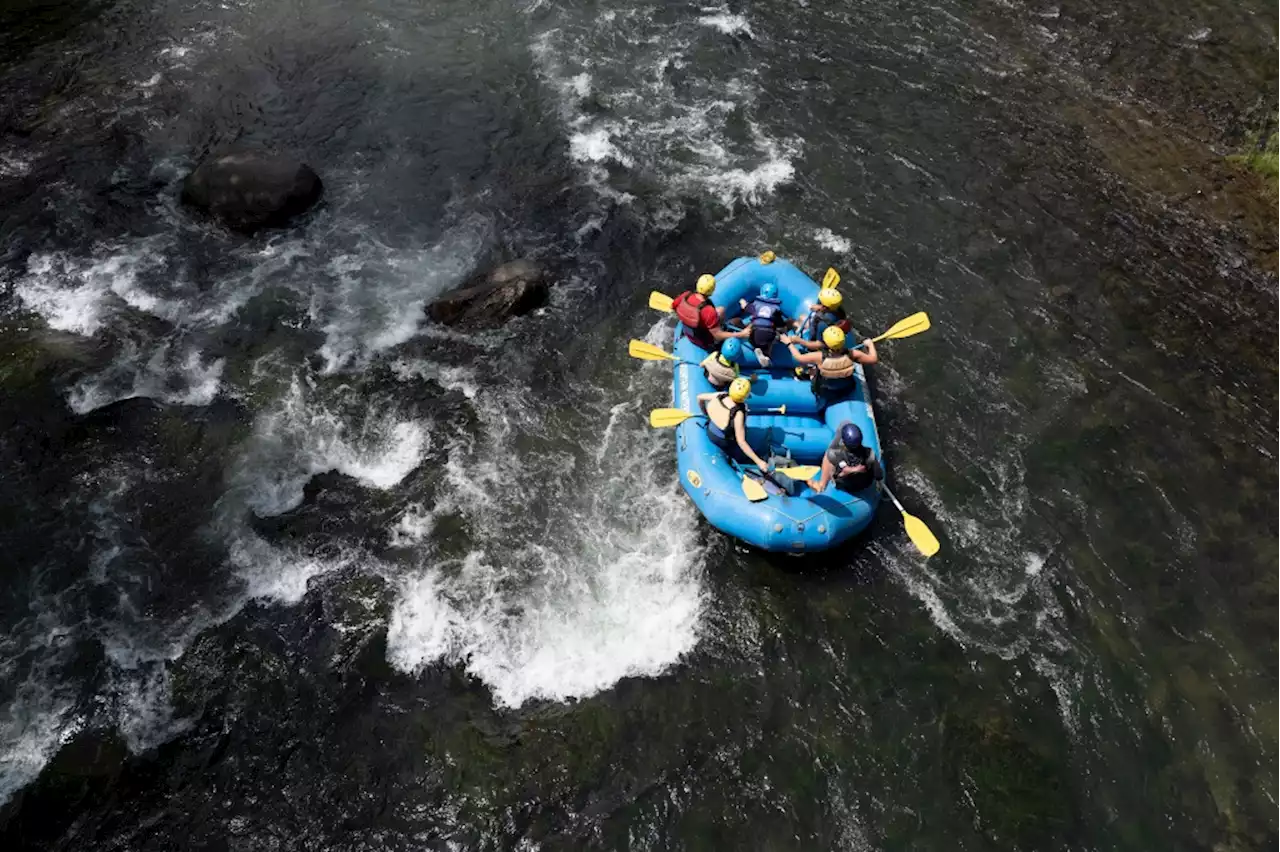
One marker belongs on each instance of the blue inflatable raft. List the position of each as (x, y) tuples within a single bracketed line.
[(806, 521)]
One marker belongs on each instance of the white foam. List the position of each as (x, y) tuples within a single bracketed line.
[(69, 294), (13, 164), (622, 606), (563, 607), (727, 23), (682, 130), (581, 84), (35, 725), (302, 437), (80, 295), (831, 241), (187, 380), (146, 716), (373, 298), (422, 624), (595, 146), (462, 379), (1003, 603), (752, 185), (414, 525), (276, 573)]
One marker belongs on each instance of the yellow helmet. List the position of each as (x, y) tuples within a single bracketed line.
[(739, 389), (706, 284), (833, 337), (830, 297)]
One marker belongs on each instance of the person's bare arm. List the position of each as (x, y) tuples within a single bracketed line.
[(719, 334), (825, 477), (740, 432), (804, 357), (867, 355), (811, 345)]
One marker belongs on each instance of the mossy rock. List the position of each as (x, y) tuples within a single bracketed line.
[(1261, 155)]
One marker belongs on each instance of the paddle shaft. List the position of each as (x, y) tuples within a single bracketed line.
[(781, 409), (894, 499)]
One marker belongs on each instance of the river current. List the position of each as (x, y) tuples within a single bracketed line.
[(286, 566)]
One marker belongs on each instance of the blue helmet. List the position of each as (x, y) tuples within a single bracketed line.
[(731, 349), (850, 436), (769, 291)]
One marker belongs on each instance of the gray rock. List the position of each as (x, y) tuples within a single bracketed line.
[(248, 190), (507, 291)]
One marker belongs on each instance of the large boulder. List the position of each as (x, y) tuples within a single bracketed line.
[(510, 290), (248, 190)]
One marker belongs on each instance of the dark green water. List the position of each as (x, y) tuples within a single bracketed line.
[(287, 568)]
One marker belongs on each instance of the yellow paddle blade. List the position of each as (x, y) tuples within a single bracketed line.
[(802, 472), (662, 417), (649, 352), (660, 302), (920, 534), (753, 490), (831, 280), (912, 325)]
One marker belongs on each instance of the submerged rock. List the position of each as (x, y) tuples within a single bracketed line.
[(507, 291), (249, 190)]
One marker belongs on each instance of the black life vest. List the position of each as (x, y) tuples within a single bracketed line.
[(720, 437)]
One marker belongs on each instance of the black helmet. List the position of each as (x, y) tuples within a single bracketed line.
[(850, 436)]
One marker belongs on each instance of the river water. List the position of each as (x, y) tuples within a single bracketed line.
[(287, 567)]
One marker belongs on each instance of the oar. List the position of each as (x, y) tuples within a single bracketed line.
[(921, 537), (649, 352), (909, 327), (831, 280), (660, 302), (663, 417), (753, 490), (803, 472)]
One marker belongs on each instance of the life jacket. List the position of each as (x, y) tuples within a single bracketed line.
[(835, 372), (688, 307), (855, 482), (718, 372), (766, 315), (719, 435), (835, 366)]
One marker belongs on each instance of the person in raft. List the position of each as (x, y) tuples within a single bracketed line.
[(721, 367), (850, 464), (764, 319), (824, 313), (727, 415), (700, 318), (833, 366)]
